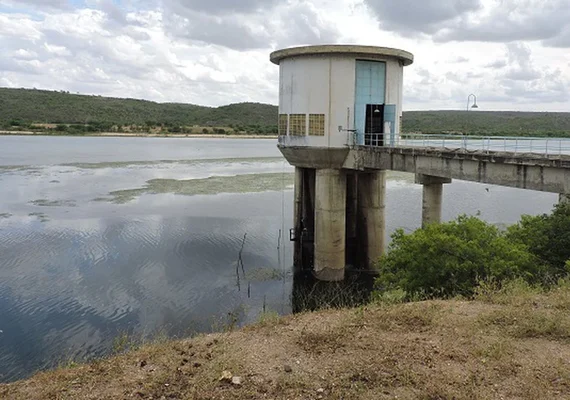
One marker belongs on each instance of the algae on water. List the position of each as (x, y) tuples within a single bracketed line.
[(124, 164), (208, 186), (41, 216), (249, 183), (53, 203), (5, 215)]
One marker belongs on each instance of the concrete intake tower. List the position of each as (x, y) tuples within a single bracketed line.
[(332, 98)]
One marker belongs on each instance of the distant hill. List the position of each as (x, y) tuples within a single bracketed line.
[(495, 123), (22, 107), (40, 106)]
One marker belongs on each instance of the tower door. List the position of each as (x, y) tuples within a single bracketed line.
[(374, 126), (370, 92)]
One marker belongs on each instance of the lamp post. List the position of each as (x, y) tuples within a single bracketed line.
[(474, 101)]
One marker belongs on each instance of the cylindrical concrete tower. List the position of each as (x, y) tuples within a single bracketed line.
[(332, 98), (328, 92)]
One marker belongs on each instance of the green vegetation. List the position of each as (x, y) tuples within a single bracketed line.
[(213, 185), (547, 237), (65, 113), (453, 258), (486, 123), (62, 113)]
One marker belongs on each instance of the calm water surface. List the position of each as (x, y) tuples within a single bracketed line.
[(105, 236)]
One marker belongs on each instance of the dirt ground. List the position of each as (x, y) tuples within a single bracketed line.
[(498, 347)]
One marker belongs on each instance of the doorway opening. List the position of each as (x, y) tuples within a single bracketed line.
[(374, 127)]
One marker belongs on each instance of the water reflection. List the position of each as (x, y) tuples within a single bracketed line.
[(72, 278)]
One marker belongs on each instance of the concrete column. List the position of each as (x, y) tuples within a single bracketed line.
[(432, 198), (372, 222), (298, 214), (330, 224)]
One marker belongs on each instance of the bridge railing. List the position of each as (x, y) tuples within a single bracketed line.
[(487, 144)]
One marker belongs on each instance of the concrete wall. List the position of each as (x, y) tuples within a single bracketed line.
[(326, 85)]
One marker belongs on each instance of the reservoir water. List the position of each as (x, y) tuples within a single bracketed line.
[(101, 237)]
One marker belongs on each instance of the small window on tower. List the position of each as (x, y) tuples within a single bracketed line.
[(283, 120), (298, 124), (317, 124)]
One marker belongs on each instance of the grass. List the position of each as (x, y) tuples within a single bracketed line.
[(509, 343)]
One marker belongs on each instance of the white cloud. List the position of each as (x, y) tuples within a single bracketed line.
[(216, 52)]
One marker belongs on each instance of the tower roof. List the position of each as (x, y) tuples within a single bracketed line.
[(342, 49)]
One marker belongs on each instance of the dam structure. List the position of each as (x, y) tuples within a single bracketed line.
[(340, 109)]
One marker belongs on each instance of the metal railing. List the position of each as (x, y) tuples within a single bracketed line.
[(465, 143)]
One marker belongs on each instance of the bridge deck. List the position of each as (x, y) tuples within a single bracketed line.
[(548, 173)]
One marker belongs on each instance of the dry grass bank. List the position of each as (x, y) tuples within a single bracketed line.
[(504, 346)]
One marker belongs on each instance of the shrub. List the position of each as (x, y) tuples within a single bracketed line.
[(547, 237), (449, 259)]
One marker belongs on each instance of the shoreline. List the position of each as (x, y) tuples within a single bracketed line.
[(489, 347), (140, 135)]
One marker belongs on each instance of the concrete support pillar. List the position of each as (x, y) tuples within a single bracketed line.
[(330, 224), (298, 214), (371, 210), (432, 198)]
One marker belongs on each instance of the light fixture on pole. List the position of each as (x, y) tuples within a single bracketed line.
[(474, 101)]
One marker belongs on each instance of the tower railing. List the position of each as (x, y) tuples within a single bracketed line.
[(465, 143)]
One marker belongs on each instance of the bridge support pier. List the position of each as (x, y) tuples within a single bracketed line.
[(330, 224), (432, 198), (371, 216)]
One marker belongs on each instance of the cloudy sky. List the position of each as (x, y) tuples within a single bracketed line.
[(513, 54)]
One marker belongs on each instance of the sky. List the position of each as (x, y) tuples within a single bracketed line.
[(512, 54)]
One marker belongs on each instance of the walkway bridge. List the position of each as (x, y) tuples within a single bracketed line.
[(341, 190)]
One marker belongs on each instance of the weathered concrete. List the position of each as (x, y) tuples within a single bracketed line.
[(431, 204), (432, 198), (547, 174), (330, 228), (327, 210), (371, 211), (373, 52), (316, 158)]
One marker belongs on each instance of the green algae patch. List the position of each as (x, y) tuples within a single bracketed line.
[(126, 164), (53, 203), (214, 185), (266, 274), (40, 216), (5, 215), (29, 170)]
